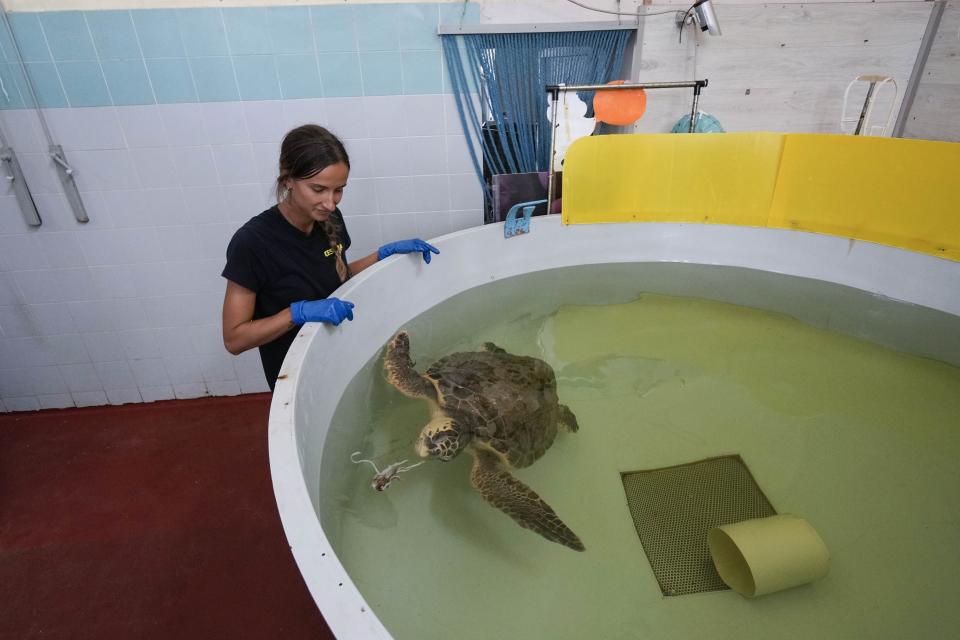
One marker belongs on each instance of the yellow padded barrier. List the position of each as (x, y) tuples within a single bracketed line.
[(885, 190)]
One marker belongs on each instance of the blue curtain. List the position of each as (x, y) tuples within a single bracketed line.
[(507, 74)]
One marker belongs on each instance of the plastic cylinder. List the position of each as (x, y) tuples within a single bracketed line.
[(765, 555)]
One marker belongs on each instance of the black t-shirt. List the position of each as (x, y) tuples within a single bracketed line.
[(282, 265)]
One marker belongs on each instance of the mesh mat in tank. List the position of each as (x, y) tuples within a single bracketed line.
[(673, 508)]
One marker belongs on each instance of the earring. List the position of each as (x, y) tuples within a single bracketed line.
[(285, 193)]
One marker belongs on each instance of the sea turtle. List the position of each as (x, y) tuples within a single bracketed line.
[(500, 407)]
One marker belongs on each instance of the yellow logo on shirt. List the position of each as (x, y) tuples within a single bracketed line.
[(330, 252)]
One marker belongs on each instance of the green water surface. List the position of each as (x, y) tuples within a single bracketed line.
[(861, 440)]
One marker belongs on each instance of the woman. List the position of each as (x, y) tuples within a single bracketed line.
[(283, 264)]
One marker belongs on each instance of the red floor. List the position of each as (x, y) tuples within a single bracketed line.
[(146, 521)]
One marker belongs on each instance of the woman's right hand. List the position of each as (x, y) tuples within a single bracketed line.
[(330, 310)]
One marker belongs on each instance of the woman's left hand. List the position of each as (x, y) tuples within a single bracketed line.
[(408, 246)]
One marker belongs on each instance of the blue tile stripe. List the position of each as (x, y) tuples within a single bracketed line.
[(162, 56)]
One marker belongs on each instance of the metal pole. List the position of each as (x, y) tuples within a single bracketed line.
[(64, 170), (555, 95), (693, 109), (918, 66), (866, 107)]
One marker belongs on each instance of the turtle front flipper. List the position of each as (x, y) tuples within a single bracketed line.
[(400, 372), (498, 487)]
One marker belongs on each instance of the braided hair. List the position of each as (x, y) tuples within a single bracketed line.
[(304, 152)]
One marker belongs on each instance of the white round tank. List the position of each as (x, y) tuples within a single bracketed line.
[(323, 359)]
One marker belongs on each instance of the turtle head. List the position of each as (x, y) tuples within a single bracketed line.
[(443, 438)]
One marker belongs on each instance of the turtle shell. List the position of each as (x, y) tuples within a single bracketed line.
[(506, 401)]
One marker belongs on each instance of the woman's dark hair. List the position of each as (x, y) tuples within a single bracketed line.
[(305, 152)]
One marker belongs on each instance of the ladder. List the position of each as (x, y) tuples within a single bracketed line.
[(862, 125)]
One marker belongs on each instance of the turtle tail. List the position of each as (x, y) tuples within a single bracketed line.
[(498, 487), (399, 370)]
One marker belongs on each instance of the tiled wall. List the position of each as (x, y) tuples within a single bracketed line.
[(172, 119)]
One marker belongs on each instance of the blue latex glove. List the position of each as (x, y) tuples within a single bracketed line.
[(329, 310), (408, 246)]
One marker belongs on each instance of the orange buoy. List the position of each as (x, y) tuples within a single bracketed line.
[(624, 106)]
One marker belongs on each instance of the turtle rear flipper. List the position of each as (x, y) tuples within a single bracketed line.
[(520, 502)]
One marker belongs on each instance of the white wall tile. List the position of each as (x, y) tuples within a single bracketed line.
[(41, 174), (392, 156), (142, 126), (101, 169), (190, 391), (14, 382), (61, 249), (207, 340), (179, 311), (128, 207), (361, 157), (120, 246), (395, 195), (465, 219), (214, 238), (225, 122), (90, 398), (104, 346), (115, 375), (91, 316), (183, 124), (55, 285), (398, 226), (465, 192), (266, 121), (24, 131), (346, 117), (153, 394), (458, 155), (431, 193), (384, 116), (174, 342), (195, 166), (97, 128), (16, 322), (11, 220), (423, 115), (167, 206), (81, 377), (254, 386), (56, 401), (51, 319), (235, 163), (155, 167), (359, 198), (184, 369), (244, 201), (201, 206), (21, 252), (56, 212), (123, 396), (218, 368), (149, 372), (22, 404), (114, 282), (178, 243), (365, 235), (9, 294), (307, 111), (427, 156), (433, 224), (228, 388), (128, 314), (200, 276), (139, 344), (266, 157)]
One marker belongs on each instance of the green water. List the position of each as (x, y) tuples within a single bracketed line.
[(862, 441)]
